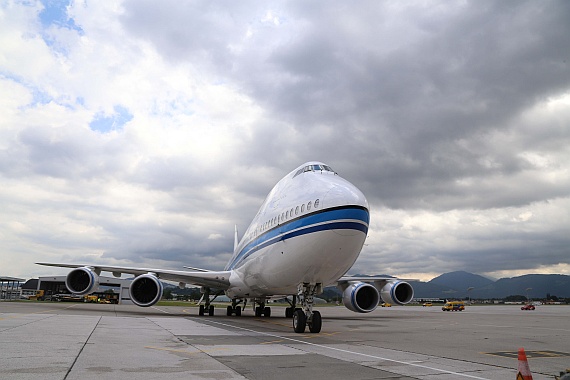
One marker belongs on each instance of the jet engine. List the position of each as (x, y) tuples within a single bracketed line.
[(397, 292), (82, 281), (360, 297), (145, 290)]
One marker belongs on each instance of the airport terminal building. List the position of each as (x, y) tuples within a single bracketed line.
[(115, 290), (10, 288)]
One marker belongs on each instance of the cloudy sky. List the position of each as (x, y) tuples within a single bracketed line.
[(139, 132)]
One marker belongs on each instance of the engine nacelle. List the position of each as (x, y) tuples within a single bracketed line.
[(145, 290), (397, 292), (361, 297), (82, 281)]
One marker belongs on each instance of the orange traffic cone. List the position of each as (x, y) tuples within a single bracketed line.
[(524, 370)]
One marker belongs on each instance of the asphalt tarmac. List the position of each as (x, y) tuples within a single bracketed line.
[(44, 340)]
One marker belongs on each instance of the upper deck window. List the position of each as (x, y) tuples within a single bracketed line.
[(314, 168)]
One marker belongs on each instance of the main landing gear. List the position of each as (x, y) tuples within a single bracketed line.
[(207, 307), (261, 309), (234, 309), (292, 307), (306, 315), (302, 317)]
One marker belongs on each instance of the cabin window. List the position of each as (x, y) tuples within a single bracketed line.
[(316, 203), (302, 208), (309, 206), (287, 214), (296, 210), (299, 172)]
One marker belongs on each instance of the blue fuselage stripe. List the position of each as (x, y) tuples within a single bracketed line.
[(351, 218)]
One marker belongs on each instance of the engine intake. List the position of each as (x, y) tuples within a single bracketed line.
[(145, 290), (82, 281), (361, 297), (397, 292)]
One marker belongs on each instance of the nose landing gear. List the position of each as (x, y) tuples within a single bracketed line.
[(306, 315)]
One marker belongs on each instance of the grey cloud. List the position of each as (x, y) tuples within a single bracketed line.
[(423, 106), (410, 102), (71, 152)]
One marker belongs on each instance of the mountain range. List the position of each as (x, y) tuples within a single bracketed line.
[(456, 285)]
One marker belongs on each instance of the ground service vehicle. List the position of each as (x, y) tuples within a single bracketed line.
[(66, 298), (90, 298), (454, 306), (427, 304), (528, 307), (39, 296)]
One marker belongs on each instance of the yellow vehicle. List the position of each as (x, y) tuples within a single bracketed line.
[(386, 304), (39, 296), (427, 304), (454, 306), (90, 298)]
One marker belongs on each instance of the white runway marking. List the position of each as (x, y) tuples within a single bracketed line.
[(162, 311), (352, 352), (187, 327)]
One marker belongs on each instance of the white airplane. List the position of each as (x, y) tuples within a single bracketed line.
[(307, 234)]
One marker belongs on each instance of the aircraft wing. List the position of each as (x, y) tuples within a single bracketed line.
[(344, 281), (348, 279), (212, 279)]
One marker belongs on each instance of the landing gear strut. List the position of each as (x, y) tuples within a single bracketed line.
[(207, 307), (234, 308), (306, 315), (293, 306), (261, 310)]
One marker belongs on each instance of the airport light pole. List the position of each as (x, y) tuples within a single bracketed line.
[(527, 297), (468, 294)]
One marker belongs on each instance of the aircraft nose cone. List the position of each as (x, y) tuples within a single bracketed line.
[(350, 203), (343, 193)]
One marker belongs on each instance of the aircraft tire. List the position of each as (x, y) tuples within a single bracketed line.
[(289, 312), (299, 321), (258, 311), (316, 323), (229, 311), (238, 311), (201, 310), (211, 310), (267, 312)]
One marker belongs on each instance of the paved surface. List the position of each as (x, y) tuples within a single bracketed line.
[(88, 341)]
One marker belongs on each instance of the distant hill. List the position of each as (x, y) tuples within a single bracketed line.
[(455, 285), (461, 280), (538, 285)]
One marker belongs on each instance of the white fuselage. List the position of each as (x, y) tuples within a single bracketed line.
[(310, 229)]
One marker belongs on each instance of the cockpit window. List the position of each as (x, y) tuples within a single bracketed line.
[(314, 168)]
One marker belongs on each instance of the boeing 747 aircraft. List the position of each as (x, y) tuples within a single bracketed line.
[(307, 234)]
